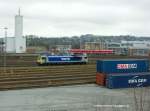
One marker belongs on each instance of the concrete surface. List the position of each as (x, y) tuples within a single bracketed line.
[(67, 98)]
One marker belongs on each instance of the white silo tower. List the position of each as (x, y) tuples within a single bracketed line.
[(20, 41)]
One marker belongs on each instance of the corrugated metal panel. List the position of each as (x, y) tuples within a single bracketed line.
[(128, 80), (101, 79), (122, 66)]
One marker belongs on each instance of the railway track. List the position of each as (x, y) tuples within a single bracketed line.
[(22, 72), (29, 77), (26, 60)]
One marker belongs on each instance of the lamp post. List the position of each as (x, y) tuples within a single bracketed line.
[(80, 43), (5, 47)]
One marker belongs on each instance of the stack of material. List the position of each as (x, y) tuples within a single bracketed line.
[(123, 73)]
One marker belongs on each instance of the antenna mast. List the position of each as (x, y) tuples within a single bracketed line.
[(19, 11)]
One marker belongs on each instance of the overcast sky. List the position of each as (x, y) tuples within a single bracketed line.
[(77, 17)]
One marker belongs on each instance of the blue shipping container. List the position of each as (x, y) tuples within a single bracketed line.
[(122, 65), (128, 80)]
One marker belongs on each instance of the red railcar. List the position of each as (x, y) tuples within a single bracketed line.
[(91, 51)]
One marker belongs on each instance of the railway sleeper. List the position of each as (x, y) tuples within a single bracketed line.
[(50, 72), (45, 84), (45, 79), (42, 76)]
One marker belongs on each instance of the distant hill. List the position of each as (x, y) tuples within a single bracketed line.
[(50, 42)]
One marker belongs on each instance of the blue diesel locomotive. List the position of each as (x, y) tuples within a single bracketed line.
[(67, 59)]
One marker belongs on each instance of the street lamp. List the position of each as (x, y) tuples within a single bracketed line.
[(5, 47), (5, 40), (80, 43)]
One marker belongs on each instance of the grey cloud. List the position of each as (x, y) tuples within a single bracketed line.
[(74, 17)]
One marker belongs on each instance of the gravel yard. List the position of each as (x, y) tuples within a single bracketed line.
[(88, 97)]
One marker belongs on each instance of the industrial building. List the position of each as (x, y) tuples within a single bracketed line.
[(36, 49), (131, 48), (94, 45), (117, 48), (60, 49), (16, 44), (63, 47), (141, 48)]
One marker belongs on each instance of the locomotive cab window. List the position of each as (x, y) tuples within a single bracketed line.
[(85, 57), (43, 58)]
